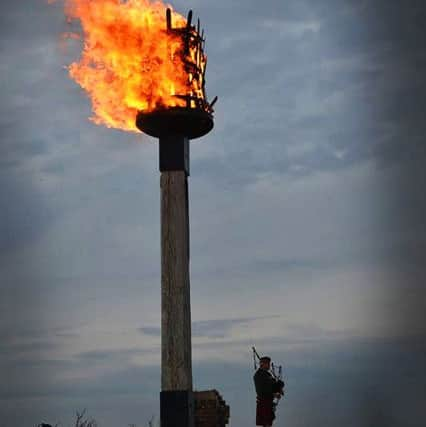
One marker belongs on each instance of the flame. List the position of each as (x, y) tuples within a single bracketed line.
[(129, 61)]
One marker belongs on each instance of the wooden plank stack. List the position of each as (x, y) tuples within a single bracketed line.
[(210, 409)]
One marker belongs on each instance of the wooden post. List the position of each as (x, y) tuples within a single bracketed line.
[(176, 365)]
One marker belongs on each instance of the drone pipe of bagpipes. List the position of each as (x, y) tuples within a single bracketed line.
[(280, 371), (255, 353)]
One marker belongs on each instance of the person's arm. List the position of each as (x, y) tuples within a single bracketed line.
[(279, 387)]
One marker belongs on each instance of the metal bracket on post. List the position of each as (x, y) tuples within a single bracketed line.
[(174, 153), (177, 408)]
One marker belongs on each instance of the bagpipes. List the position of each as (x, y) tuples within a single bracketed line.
[(277, 374)]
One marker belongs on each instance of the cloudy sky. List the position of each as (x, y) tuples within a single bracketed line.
[(308, 221)]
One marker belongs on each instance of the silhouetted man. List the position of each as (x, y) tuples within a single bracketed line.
[(267, 387)]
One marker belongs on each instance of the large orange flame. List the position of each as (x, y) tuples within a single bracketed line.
[(129, 62)]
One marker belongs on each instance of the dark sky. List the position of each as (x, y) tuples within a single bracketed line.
[(308, 221)]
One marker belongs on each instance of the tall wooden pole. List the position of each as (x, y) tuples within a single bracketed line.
[(175, 127), (176, 397), (176, 365)]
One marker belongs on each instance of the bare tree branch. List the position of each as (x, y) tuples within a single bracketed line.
[(82, 422)]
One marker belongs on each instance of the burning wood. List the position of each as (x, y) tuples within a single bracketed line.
[(139, 56)]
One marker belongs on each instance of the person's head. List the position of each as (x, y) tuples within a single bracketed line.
[(265, 363)]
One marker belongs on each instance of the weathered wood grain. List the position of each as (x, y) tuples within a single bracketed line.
[(176, 365)]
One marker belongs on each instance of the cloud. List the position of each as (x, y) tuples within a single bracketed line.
[(292, 29), (123, 355), (218, 328), (151, 330)]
